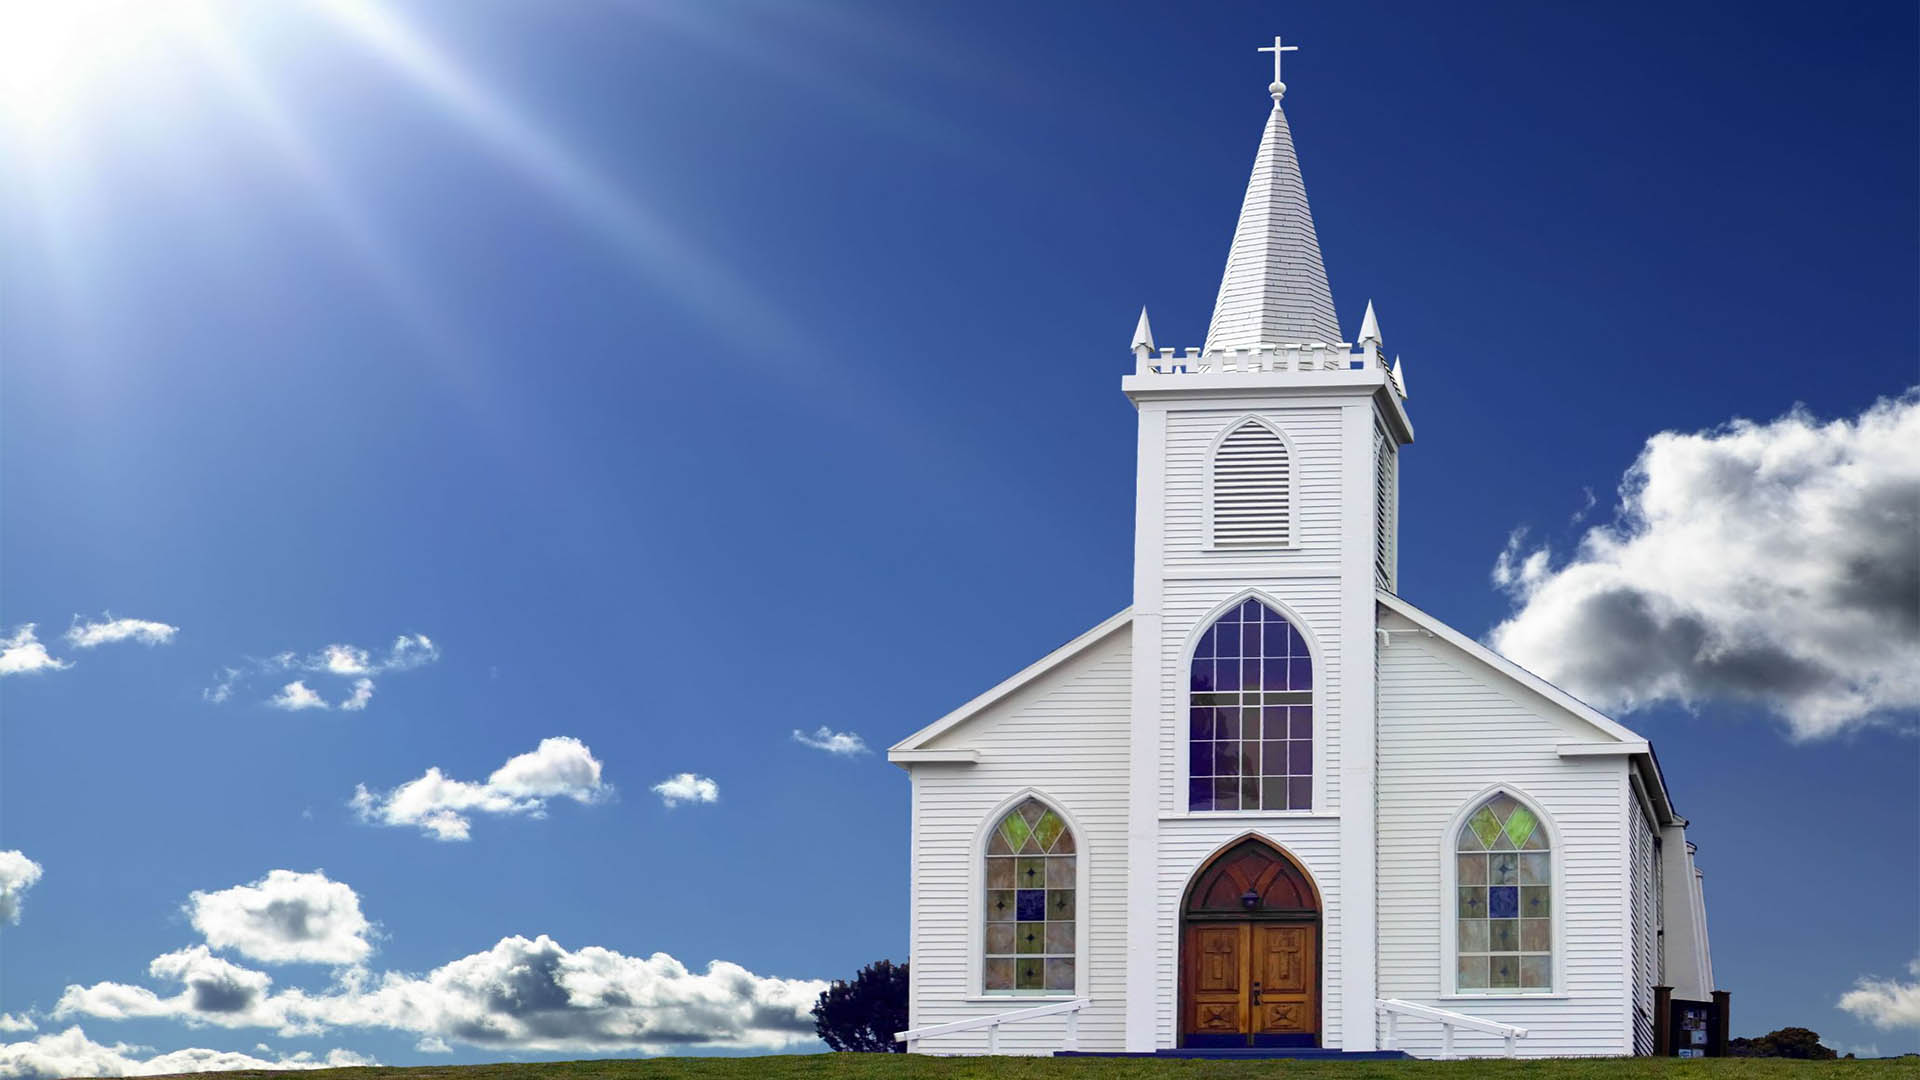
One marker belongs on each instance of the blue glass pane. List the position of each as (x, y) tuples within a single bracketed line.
[(1300, 793), (1503, 902), (1273, 722), (1301, 726), (1031, 904), (1300, 758), (1226, 793), (1274, 673), (1226, 637), (1226, 674), (1300, 673), (1226, 723), (1249, 674), (1200, 794), (1251, 610), (1296, 645), (1202, 680), (1226, 759), (1250, 639), (1205, 648), (1200, 723), (1199, 758)]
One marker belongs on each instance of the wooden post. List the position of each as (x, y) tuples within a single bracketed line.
[(1717, 1041), (1072, 1041), (1446, 1042), (913, 1046), (993, 1038), (1663, 1021), (1512, 1049), (1393, 1030)]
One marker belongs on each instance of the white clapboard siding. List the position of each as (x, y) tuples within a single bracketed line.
[(1065, 735), (1312, 489), (1646, 946), (1449, 728), (1386, 510)]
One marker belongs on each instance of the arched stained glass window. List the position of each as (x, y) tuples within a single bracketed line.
[(1503, 871), (1250, 714), (1031, 903)]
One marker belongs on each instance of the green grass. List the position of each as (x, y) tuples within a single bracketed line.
[(918, 1067)]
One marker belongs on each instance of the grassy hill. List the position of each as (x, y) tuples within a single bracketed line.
[(900, 1067)]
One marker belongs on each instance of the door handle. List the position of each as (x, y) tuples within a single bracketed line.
[(1256, 993)]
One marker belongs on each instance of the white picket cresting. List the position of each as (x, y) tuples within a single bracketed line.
[(1070, 1040)]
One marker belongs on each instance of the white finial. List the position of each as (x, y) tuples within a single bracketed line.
[(1399, 379), (1143, 333), (1369, 327), (1278, 88)]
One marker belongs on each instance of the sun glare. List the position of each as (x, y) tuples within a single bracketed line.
[(55, 54)]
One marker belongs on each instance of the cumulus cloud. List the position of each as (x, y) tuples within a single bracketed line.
[(845, 743), (560, 767), (17, 1022), (344, 661), (1885, 1003), (17, 875), (71, 1053), (109, 630), (295, 696), (687, 787), (1771, 563), (23, 654), (285, 918)]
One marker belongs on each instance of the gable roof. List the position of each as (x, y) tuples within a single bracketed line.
[(1628, 742), (903, 752)]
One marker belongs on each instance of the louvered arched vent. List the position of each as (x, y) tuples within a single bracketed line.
[(1251, 497)]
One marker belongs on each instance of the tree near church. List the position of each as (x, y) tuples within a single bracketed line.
[(1791, 1042), (861, 1016)]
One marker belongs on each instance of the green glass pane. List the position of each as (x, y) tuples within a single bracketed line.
[(1520, 825), (1000, 905), (1503, 972), (1060, 975), (1536, 935), (1032, 811), (1473, 936), (1028, 975), (1015, 829), (1030, 938), (1482, 824), (1060, 937), (1536, 972), (1536, 901), (1472, 869), (1473, 902), (1503, 935), (1535, 869), (1472, 973), (1503, 869), (999, 939), (999, 873), (1030, 873), (1048, 830), (1060, 872), (1060, 904), (999, 974)]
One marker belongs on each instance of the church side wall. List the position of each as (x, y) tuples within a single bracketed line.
[(1646, 929), (1065, 737), (1449, 730)]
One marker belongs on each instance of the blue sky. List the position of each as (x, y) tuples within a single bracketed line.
[(693, 374)]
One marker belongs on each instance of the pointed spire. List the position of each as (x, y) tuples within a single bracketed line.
[(1399, 380), (1143, 333), (1274, 290), (1369, 328)]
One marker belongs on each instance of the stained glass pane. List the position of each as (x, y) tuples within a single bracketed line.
[(1032, 811), (1536, 842), (999, 974), (1471, 869), (1059, 974), (1250, 758), (1226, 674), (1226, 759), (1250, 674), (1502, 805), (1064, 845), (1060, 937), (1200, 794), (1472, 973), (1273, 724), (1536, 901), (1520, 825), (1250, 793), (1503, 935), (1273, 793), (1049, 829), (1032, 938), (1015, 829), (1473, 902), (1535, 869), (1501, 843), (1503, 971), (1226, 793), (999, 873), (1202, 679), (1251, 609), (1200, 758), (1000, 905), (1300, 672), (997, 844), (1029, 976), (1030, 873), (1059, 903), (1030, 904), (1204, 650), (1503, 902), (1000, 938), (1060, 872), (1504, 868), (1301, 724), (1483, 826), (1536, 971), (1473, 935), (1226, 723), (1300, 757), (1536, 935), (1300, 793), (1274, 672), (1200, 723)]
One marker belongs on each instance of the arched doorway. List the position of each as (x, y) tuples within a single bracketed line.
[(1250, 951)]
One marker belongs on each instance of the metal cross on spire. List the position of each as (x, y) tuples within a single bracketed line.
[(1278, 88)]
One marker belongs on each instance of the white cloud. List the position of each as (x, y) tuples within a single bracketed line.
[(17, 875), (845, 743), (1775, 563), (362, 694), (339, 660), (295, 696), (22, 654), (110, 630), (71, 1053), (687, 787), (560, 767), (433, 1044), (17, 1022), (285, 918), (1885, 1003)]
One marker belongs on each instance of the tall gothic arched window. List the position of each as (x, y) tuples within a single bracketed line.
[(1250, 714), (1031, 903), (1503, 899)]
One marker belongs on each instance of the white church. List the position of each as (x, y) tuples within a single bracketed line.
[(1272, 807)]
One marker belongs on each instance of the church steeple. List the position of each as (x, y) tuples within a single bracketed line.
[(1274, 291)]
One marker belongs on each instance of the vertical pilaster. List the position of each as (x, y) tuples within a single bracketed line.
[(1146, 982), (1359, 972)]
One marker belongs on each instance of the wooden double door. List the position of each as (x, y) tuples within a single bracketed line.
[(1250, 983)]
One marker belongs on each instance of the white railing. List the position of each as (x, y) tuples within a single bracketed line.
[(992, 1023), (1394, 1008)]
